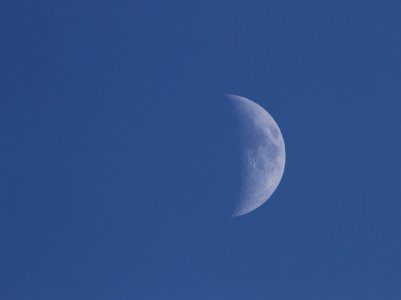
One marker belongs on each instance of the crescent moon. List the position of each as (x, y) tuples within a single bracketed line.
[(262, 155)]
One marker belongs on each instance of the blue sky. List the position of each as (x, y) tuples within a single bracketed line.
[(118, 153)]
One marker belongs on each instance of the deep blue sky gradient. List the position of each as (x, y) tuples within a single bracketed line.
[(119, 155)]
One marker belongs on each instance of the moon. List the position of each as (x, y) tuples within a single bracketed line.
[(262, 155)]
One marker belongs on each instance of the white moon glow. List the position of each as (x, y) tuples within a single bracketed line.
[(263, 155)]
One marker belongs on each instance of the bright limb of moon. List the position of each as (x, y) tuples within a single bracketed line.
[(262, 155)]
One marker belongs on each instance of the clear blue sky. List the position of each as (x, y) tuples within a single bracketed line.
[(117, 152)]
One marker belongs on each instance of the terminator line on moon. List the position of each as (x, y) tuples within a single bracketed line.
[(263, 155)]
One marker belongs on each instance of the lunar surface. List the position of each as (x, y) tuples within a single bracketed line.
[(262, 155)]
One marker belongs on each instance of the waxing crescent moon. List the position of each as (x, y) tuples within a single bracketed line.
[(262, 155)]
